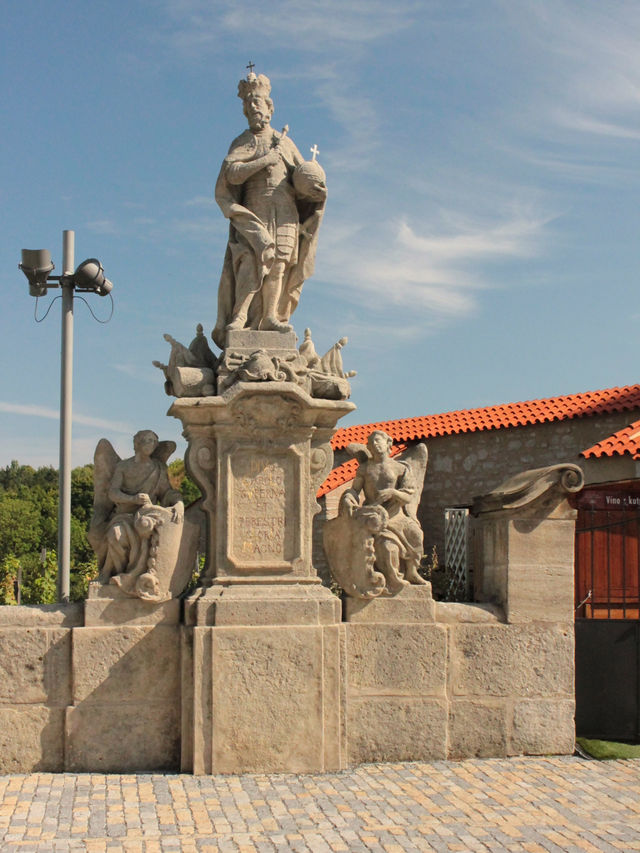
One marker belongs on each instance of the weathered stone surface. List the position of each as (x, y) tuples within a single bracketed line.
[(450, 612), (477, 729), (262, 275), (512, 660), (375, 549), (42, 615), (266, 604), (137, 520), (543, 727), (411, 604), (270, 686), (541, 570), (126, 664), (396, 728), (258, 453), (400, 659), (108, 606), (31, 739), (129, 737), (35, 665)]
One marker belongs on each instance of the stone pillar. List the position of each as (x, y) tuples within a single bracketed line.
[(263, 672), (524, 545)]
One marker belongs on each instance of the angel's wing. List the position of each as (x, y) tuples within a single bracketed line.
[(416, 458), (105, 460), (359, 451), (164, 450)]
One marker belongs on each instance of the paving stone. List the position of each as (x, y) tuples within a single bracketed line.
[(536, 805)]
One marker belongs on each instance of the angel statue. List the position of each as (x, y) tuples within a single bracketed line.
[(376, 548), (137, 517)]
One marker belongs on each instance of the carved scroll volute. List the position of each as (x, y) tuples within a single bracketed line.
[(320, 465), (200, 462)]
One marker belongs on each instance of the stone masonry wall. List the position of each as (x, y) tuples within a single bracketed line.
[(470, 464), (35, 685)]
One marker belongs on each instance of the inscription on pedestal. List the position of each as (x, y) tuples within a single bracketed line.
[(262, 511)]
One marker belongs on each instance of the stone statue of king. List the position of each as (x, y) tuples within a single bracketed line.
[(274, 200)]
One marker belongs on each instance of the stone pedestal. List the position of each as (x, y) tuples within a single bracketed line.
[(263, 662), (411, 604), (125, 679)]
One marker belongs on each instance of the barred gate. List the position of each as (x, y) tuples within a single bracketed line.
[(456, 553), (607, 623)]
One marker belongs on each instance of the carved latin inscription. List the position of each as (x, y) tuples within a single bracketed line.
[(261, 515)]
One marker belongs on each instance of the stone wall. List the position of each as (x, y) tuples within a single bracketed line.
[(35, 685), (427, 692), (275, 682)]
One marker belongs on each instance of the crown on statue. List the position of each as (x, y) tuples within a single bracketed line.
[(258, 85)]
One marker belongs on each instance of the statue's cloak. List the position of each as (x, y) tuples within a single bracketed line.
[(248, 233)]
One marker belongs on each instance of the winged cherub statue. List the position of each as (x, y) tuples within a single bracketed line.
[(137, 517), (376, 548)]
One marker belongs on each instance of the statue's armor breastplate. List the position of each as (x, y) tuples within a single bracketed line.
[(269, 194)]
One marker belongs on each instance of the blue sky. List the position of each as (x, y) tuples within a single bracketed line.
[(480, 243)]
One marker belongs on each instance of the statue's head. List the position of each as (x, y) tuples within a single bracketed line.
[(380, 442), (145, 440), (256, 103)]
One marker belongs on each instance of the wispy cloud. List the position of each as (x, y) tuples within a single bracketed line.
[(200, 201), (314, 26), (52, 414), (430, 270), (102, 226)]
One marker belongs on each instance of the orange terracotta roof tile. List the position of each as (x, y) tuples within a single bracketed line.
[(498, 417), (504, 416), (626, 440)]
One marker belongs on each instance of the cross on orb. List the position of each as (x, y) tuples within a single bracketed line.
[(250, 66), (315, 151)]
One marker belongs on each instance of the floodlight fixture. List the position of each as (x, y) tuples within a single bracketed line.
[(36, 265), (89, 277)]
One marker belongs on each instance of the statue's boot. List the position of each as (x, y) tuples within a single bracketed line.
[(270, 296), (411, 575)]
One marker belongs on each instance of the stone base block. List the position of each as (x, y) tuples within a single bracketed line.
[(396, 728), (268, 699), (478, 729), (263, 604), (123, 738), (387, 659), (108, 605), (31, 739), (543, 727), (411, 604), (126, 699)]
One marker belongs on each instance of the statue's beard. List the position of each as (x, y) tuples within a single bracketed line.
[(258, 121)]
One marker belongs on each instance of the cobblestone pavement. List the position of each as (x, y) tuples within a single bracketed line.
[(531, 804)]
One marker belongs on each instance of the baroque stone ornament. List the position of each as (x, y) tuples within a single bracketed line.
[(137, 518), (376, 548), (275, 201), (321, 377), (191, 370)]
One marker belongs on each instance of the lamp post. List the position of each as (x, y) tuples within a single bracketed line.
[(88, 278)]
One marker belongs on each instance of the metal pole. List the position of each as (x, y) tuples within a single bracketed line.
[(66, 382)]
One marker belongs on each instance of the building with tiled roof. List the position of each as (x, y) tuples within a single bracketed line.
[(472, 451)]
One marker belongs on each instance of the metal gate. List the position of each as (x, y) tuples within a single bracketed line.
[(456, 553), (607, 621)]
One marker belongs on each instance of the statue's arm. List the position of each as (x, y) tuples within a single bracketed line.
[(116, 494), (238, 172)]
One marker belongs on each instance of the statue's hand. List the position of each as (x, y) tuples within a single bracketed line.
[(177, 513), (272, 157), (385, 495), (143, 498)]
